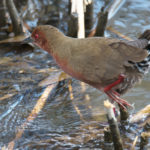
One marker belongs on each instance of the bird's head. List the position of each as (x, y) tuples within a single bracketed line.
[(44, 36)]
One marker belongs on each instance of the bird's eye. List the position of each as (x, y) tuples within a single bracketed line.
[(36, 36)]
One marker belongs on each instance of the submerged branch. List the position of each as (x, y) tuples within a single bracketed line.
[(102, 22), (113, 126), (16, 21)]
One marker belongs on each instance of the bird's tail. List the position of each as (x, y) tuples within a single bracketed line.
[(145, 35), (144, 65), (143, 42)]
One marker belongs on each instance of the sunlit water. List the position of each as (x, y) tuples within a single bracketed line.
[(59, 125)]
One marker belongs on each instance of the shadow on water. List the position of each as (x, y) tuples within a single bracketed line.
[(59, 125)]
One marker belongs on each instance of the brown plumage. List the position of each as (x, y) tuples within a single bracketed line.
[(105, 63)]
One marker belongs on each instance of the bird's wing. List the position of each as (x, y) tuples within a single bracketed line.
[(139, 43), (129, 52), (103, 60)]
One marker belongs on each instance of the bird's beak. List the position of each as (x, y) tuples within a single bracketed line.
[(28, 40)]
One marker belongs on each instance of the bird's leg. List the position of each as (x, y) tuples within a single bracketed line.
[(114, 95), (110, 86)]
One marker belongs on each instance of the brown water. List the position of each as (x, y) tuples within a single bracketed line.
[(59, 125)]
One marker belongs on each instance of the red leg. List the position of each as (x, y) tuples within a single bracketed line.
[(110, 86), (114, 95)]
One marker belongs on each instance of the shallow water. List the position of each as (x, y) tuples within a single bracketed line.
[(62, 123)]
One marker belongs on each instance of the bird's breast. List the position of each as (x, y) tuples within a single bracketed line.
[(65, 66)]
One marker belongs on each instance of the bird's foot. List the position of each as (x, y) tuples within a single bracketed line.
[(116, 97)]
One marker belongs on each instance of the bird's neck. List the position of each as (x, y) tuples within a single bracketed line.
[(51, 44), (59, 47)]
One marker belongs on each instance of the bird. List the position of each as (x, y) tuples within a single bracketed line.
[(110, 65)]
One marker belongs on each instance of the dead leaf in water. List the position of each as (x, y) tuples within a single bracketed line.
[(6, 96), (142, 117), (47, 70), (5, 60), (54, 78), (19, 38), (16, 41)]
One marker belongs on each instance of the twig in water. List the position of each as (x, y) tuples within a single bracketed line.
[(16, 20), (118, 33), (102, 22), (113, 126), (134, 143), (123, 114)]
